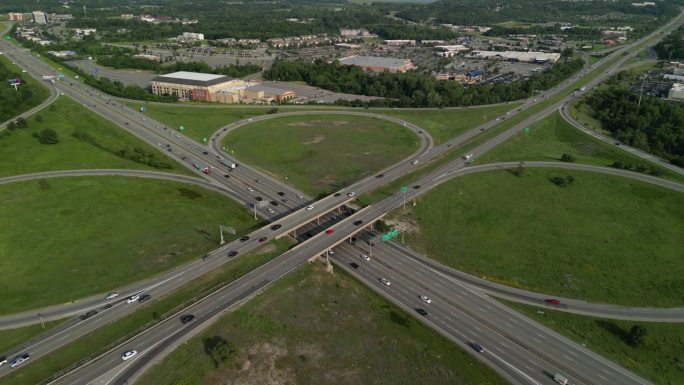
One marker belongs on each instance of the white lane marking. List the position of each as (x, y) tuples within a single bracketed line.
[(532, 380), (482, 310), (568, 358), (536, 340), (541, 336), (602, 377), (606, 371), (512, 320), (573, 353)]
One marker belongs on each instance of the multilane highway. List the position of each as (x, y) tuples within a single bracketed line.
[(388, 176)]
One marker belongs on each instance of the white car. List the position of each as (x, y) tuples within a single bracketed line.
[(351, 194), (133, 298), (309, 207), (467, 156), (385, 281), (112, 295), (129, 354), (415, 162), (270, 210), (425, 299), (364, 256), (250, 189)]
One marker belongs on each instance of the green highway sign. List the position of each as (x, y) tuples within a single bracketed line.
[(389, 235), (526, 130), (403, 189)]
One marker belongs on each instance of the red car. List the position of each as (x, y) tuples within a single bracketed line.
[(553, 302), (329, 231)]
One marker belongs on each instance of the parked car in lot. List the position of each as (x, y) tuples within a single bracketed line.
[(129, 354)]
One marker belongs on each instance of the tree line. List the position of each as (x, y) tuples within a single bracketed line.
[(13, 102), (672, 46), (655, 125), (125, 61), (413, 88)]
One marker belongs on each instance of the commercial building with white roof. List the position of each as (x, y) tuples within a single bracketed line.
[(191, 85), (528, 57)]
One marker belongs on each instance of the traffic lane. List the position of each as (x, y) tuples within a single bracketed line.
[(527, 333), (448, 319)]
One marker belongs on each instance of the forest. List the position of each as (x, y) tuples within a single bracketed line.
[(415, 89), (672, 46), (655, 126)]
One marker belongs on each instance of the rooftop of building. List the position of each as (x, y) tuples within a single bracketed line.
[(192, 78), (374, 61), (267, 89)]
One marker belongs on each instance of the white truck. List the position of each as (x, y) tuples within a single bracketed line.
[(560, 379), (228, 164)]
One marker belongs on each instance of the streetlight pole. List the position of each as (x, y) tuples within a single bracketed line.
[(254, 205)]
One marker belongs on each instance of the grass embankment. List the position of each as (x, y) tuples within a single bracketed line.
[(198, 122), (602, 238), (104, 146), (30, 93), (15, 337), (39, 371), (313, 327), (445, 124), (92, 234), (659, 359), (321, 153), (552, 137)]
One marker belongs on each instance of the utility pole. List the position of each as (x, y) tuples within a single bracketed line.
[(42, 322), (641, 92)]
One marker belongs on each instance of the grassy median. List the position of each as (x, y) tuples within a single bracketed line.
[(100, 144), (313, 327), (594, 237), (88, 235), (321, 153)]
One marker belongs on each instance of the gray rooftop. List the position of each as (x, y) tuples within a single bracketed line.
[(374, 61), (267, 89), (192, 78)]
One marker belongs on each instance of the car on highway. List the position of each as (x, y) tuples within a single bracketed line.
[(232, 253), (329, 231), (416, 187), (385, 281), (143, 298), (270, 210), (281, 193), (425, 299), (351, 194), (337, 194), (226, 176), (478, 348), (274, 203), (467, 156), (276, 226), (365, 257), (133, 298), (3, 360), (258, 199), (552, 301), (187, 318), (422, 312), (205, 153), (245, 238), (309, 207), (415, 162), (112, 295), (250, 189), (20, 359), (354, 265), (129, 354), (379, 176), (356, 223), (262, 239)]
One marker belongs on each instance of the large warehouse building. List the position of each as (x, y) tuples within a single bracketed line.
[(515, 56), (378, 64)]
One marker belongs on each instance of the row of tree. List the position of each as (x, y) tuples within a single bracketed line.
[(672, 46), (125, 61), (415, 89), (654, 125)]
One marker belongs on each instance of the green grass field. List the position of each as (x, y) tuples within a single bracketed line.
[(92, 234), (602, 238), (38, 91), (36, 372), (445, 124), (313, 327), (15, 337), (22, 153), (321, 153), (550, 138), (659, 359), (198, 122)]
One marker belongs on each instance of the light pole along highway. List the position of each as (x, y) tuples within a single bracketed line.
[(389, 175)]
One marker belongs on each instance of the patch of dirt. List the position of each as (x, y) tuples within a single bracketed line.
[(316, 139), (405, 223), (260, 367), (267, 249)]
